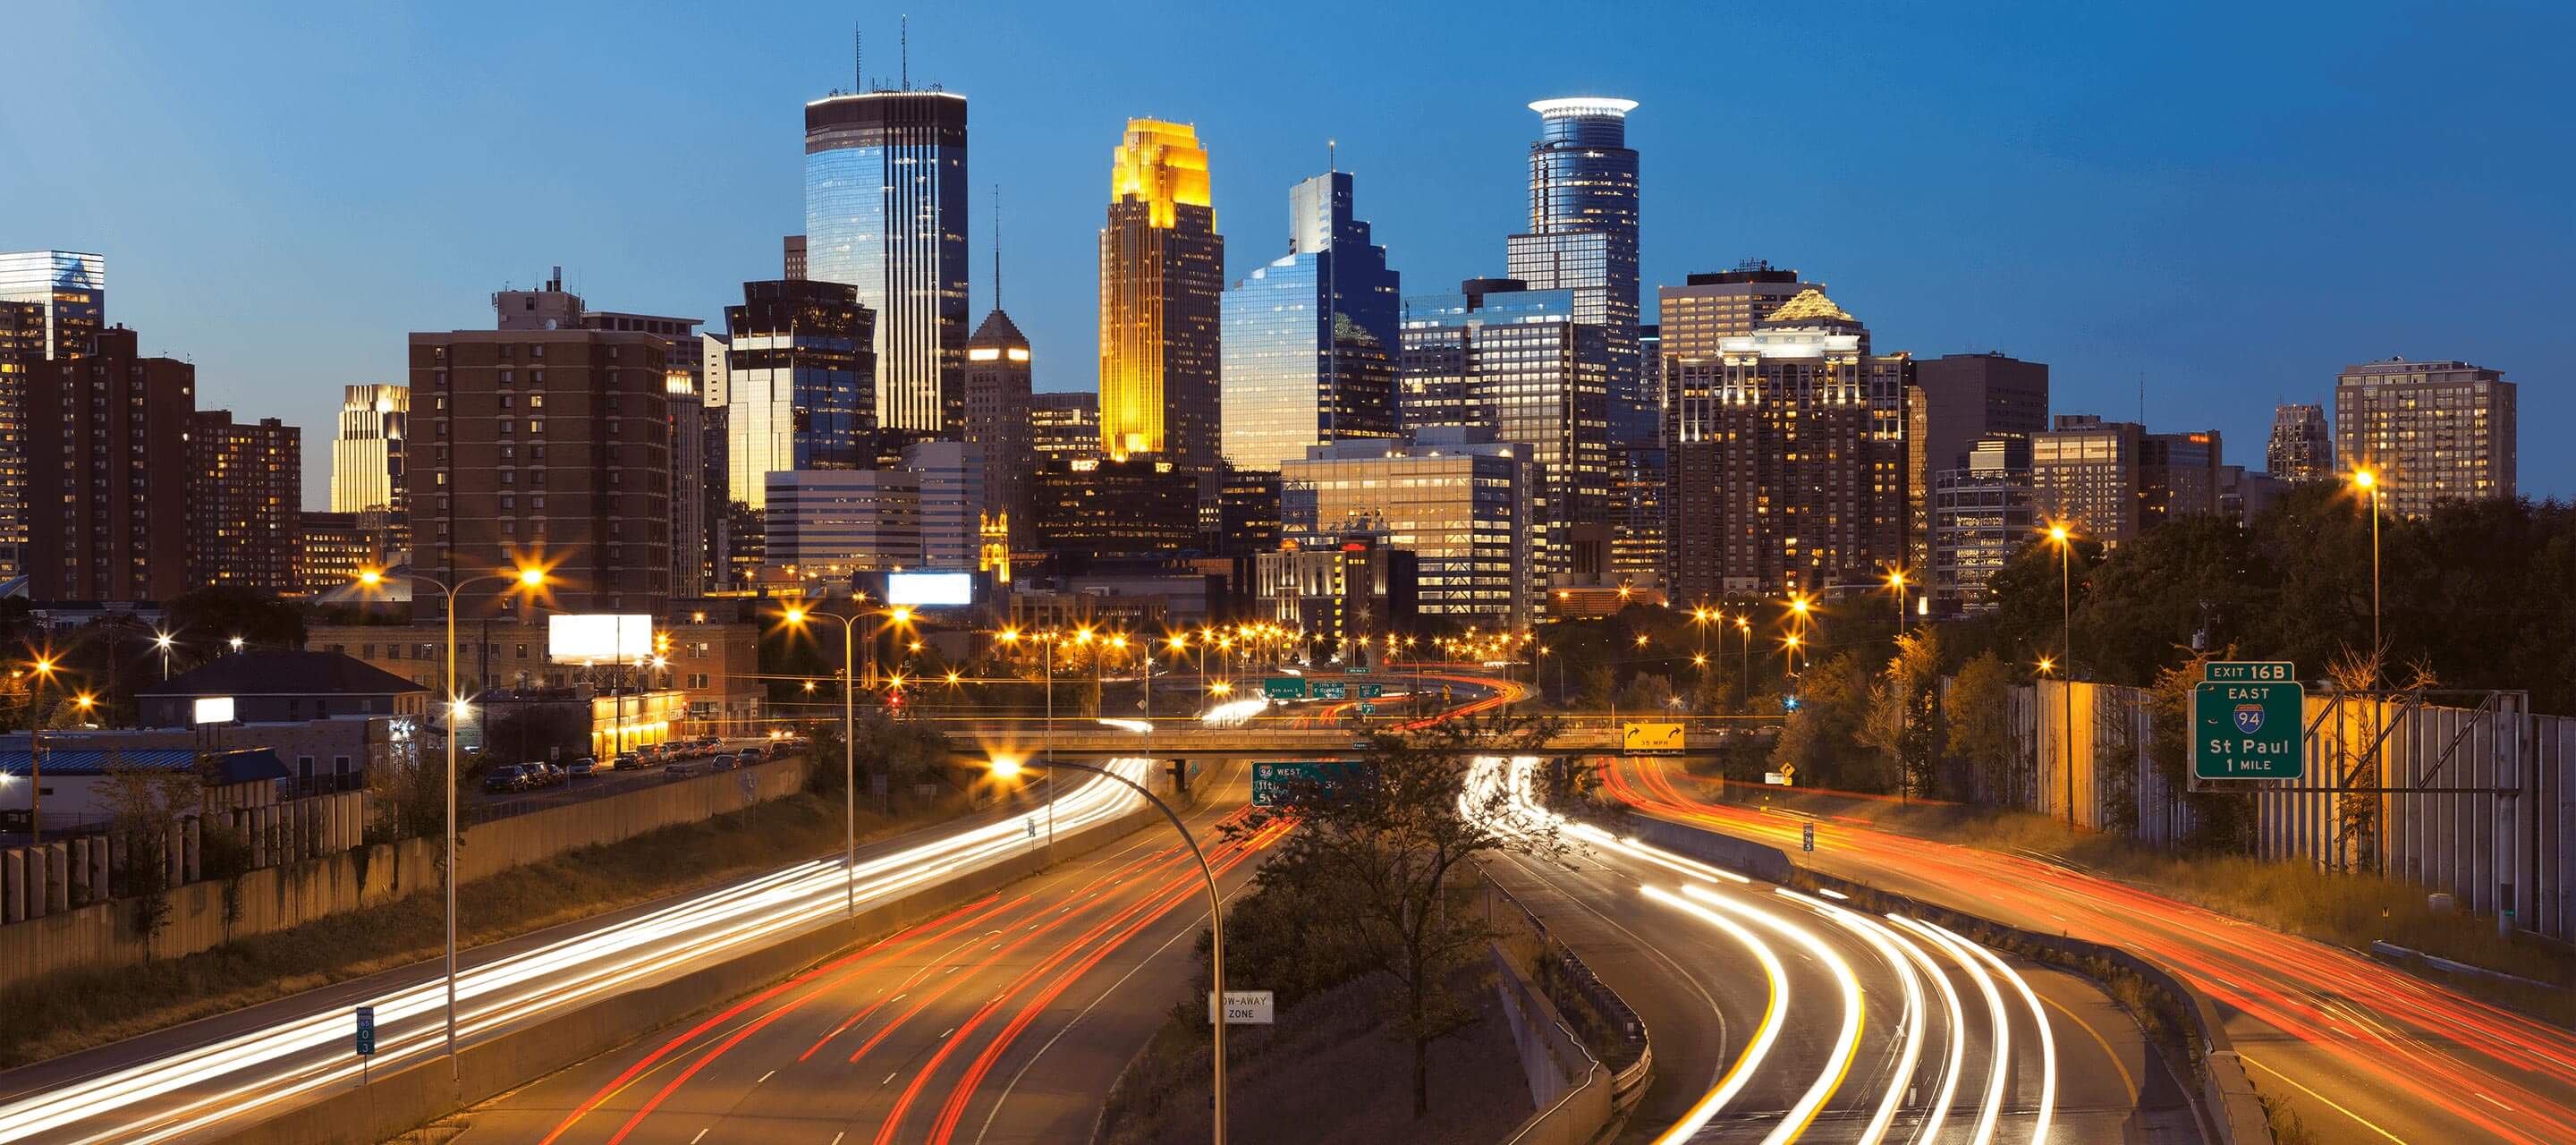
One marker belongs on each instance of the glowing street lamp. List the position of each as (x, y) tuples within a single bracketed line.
[(2064, 539), (2367, 481)]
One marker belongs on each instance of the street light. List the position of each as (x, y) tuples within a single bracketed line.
[(849, 752), (236, 642), (2368, 481), (529, 577), (161, 641), (1896, 581), (2059, 535), (1005, 767), (36, 749)]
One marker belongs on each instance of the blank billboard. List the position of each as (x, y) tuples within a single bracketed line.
[(930, 590), (599, 638)]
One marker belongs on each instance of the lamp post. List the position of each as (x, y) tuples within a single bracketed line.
[(161, 641), (528, 577), (849, 753), (1896, 581), (2059, 535), (1744, 626), (1005, 767), (2369, 483), (36, 749)]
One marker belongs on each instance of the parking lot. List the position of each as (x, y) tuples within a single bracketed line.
[(481, 806)]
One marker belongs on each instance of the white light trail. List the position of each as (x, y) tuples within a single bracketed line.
[(2001, 1045), (1739, 1074), (1846, 1043), (2047, 1042), (1911, 1052)]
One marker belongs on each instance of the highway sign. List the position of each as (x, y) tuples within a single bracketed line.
[(1355, 670), (2248, 672), (1327, 690), (1369, 690), (2247, 730), (1242, 1007), (1652, 737), (1368, 709), (1807, 838), (366, 1031), (1274, 784), (1284, 688)]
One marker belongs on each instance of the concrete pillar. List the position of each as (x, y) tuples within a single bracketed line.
[(195, 830), (35, 884), (13, 885), (99, 868), (58, 881)]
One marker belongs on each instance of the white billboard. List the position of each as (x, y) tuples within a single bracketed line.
[(214, 710), (599, 638), (930, 590)]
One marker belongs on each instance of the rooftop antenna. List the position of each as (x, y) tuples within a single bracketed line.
[(858, 59), (905, 30), (1332, 155), (2142, 397), (997, 246)]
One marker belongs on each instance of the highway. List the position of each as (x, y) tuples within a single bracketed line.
[(2366, 1052), (1006, 1020), (198, 1081), (1775, 1016)]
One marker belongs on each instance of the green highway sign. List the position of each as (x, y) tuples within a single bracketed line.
[(1327, 690), (1370, 690), (2248, 672), (1355, 670), (1273, 783), (2248, 730), (1284, 688)]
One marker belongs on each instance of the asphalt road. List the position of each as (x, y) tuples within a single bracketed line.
[(2365, 1052), (1005, 1021)]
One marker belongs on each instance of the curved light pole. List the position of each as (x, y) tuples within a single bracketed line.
[(2368, 481), (528, 576), (2059, 535), (849, 748), (1005, 767)]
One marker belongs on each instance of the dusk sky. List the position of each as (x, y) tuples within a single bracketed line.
[(2226, 202)]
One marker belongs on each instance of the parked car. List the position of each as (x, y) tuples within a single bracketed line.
[(554, 772), (504, 778), (681, 769), (724, 762), (580, 769), (630, 759), (748, 753)]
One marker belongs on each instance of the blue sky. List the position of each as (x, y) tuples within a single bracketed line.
[(2228, 202)]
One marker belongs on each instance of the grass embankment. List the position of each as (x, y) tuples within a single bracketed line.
[(76, 1010), (2344, 909), (1327, 1074)]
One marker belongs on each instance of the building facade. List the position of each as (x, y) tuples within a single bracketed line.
[(2179, 475), (107, 474), (1981, 514), (950, 475), (2302, 446), (1140, 506), (52, 305), (333, 549), (246, 490), (1064, 427), (2432, 431), (1959, 400), (69, 289), (826, 524), (1460, 501), (1000, 416), (885, 212), (1162, 274), (1582, 238), (367, 457), (1344, 595), (798, 395), (1310, 340), (2085, 473)]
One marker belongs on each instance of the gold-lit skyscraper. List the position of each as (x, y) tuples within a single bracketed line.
[(1162, 273)]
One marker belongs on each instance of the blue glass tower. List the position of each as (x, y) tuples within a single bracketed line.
[(797, 365), (1582, 237), (885, 211), (1309, 341)]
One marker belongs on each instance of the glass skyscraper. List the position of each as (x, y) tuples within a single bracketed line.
[(1582, 237), (1162, 272), (69, 286), (796, 394), (885, 212), (1310, 340)]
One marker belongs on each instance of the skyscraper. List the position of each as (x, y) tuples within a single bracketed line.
[(246, 490), (797, 365), (107, 478), (367, 461), (1162, 273), (1457, 499), (1789, 457), (71, 289), (1959, 399), (2433, 431), (2301, 447), (885, 212), (1582, 237), (1310, 340), (22, 352), (2112, 480), (1064, 426), (52, 305), (998, 418), (1981, 515), (950, 476)]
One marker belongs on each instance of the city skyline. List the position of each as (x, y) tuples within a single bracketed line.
[(2029, 211)]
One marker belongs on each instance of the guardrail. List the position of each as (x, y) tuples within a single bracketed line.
[(1622, 1040)]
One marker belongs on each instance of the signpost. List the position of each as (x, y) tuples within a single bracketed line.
[(1369, 689), (2247, 721), (1284, 688), (1327, 690), (1243, 1007), (1274, 784), (1652, 737), (366, 1041)]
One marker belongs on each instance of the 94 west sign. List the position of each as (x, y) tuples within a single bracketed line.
[(2247, 721)]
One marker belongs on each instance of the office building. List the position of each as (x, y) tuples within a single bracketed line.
[(543, 445), (1582, 238), (826, 524), (1162, 273), (107, 474), (2301, 446), (2179, 475), (1240, 513), (333, 549), (1461, 502), (885, 212), (1520, 364), (797, 392), (69, 289), (1640, 519), (791, 257), (53, 303), (687, 418), (2243, 495), (2085, 473), (1789, 457), (999, 414), (953, 501), (1064, 427), (367, 452), (1140, 506), (1341, 596), (1958, 400), (1650, 372), (1982, 513), (246, 491), (1310, 340), (2431, 431), (22, 350)]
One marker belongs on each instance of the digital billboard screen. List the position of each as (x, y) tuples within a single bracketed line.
[(599, 638), (930, 590)]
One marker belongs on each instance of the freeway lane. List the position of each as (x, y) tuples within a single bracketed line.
[(1748, 993), (1004, 1021), (2368, 1053), (198, 1081)]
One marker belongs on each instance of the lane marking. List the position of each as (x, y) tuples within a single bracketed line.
[(766, 1076), (702, 1135), (2126, 1081), (2337, 1106)]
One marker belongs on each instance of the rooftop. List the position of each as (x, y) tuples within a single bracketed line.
[(280, 673)]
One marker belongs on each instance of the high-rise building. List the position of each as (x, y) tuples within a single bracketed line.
[(2084, 473), (826, 524), (52, 305), (1959, 399), (69, 287), (1064, 427), (797, 364), (245, 495), (1310, 339), (1162, 274), (998, 416), (885, 212), (1582, 238), (107, 474), (1981, 515), (1341, 597), (1640, 518), (1650, 373), (1457, 499), (2431, 431), (2243, 496), (687, 417), (1520, 364), (546, 446), (22, 351), (1139, 506), (791, 256), (333, 549), (2179, 475), (950, 475), (1240, 514), (2302, 446), (1789, 456), (367, 452)]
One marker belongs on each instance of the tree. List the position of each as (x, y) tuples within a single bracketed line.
[(145, 813), (1904, 716), (1646, 693), (1978, 710), (209, 616), (1373, 859), (903, 751), (1819, 741), (1598, 690)]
